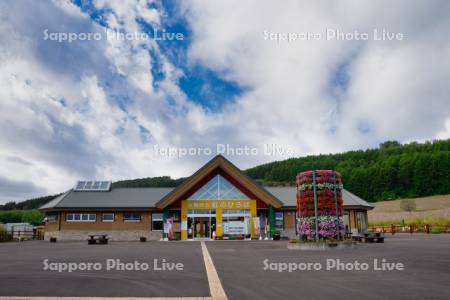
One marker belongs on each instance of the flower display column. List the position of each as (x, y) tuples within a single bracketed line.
[(319, 205)]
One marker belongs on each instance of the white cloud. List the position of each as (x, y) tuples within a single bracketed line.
[(397, 89), (90, 109)]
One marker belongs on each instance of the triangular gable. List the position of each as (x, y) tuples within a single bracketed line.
[(219, 188), (219, 165)]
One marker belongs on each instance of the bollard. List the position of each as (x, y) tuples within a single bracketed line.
[(392, 229)]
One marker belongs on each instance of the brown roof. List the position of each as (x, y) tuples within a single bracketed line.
[(220, 162)]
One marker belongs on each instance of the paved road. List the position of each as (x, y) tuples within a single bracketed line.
[(426, 275), (239, 266)]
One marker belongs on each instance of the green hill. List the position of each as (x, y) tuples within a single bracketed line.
[(388, 172)]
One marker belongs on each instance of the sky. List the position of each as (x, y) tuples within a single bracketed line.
[(257, 81)]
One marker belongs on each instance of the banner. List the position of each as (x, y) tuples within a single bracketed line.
[(168, 228), (256, 226)]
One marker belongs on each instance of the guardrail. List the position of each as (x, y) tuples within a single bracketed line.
[(393, 229)]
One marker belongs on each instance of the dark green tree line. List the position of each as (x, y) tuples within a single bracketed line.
[(389, 172)]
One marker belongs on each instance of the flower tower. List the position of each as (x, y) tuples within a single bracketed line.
[(319, 205)]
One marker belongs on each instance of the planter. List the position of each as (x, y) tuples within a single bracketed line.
[(52, 240), (320, 246), (143, 239)]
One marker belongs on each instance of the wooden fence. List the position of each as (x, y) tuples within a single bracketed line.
[(393, 229)]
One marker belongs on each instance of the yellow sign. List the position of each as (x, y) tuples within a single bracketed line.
[(214, 204)]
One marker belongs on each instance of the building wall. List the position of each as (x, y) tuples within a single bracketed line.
[(117, 230), (289, 219), (118, 224), (131, 231), (113, 235)]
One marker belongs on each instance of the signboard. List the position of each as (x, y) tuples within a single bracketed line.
[(213, 204), (235, 227), (184, 225)]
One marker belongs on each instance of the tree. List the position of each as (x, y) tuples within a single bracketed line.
[(9, 205), (34, 217), (10, 216), (390, 144)]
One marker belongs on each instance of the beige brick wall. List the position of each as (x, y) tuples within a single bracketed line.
[(113, 235), (117, 230)]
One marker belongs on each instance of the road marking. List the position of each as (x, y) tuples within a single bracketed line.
[(215, 287)]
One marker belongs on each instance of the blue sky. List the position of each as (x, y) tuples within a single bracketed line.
[(104, 109)]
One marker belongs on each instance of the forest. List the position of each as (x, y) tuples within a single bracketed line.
[(389, 172)]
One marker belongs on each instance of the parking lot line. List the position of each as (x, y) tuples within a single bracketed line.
[(215, 287)]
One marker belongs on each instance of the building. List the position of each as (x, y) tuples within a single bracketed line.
[(218, 200)]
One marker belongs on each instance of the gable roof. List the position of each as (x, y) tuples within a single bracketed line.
[(219, 162), (278, 197), (148, 197)]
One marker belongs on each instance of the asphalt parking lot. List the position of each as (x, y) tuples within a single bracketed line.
[(426, 273), (247, 270), (22, 270)]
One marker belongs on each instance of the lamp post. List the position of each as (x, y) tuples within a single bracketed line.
[(316, 221), (336, 205)]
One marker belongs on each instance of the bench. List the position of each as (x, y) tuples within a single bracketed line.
[(100, 239), (373, 238), (356, 238)]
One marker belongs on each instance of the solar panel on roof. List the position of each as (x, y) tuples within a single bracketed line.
[(96, 185), (90, 186), (80, 185)]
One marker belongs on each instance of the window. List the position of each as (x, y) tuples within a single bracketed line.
[(81, 217), (108, 217), (52, 218), (235, 213), (157, 222), (279, 222), (131, 217), (218, 188)]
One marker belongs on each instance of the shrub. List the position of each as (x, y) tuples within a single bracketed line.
[(408, 204), (437, 230), (4, 235), (34, 217)]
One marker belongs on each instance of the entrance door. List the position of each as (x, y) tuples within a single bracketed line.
[(201, 227)]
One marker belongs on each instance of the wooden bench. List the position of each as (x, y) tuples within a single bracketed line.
[(373, 238), (100, 239), (356, 238)]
